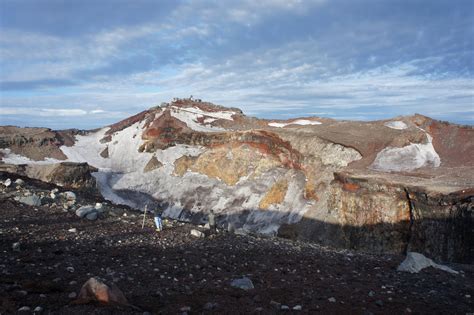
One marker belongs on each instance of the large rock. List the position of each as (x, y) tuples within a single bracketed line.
[(415, 262), (85, 211), (96, 289), (32, 200)]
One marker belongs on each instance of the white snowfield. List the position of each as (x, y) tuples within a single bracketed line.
[(190, 117), (12, 158), (397, 124), (408, 158), (302, 122)]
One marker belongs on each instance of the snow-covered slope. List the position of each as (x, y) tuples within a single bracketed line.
[(408, 158)]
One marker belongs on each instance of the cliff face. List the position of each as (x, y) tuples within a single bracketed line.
[(379, 216), (384, 186), (66, 174), (36, 143)]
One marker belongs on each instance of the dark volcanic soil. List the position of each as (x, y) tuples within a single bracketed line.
[(169, 271)]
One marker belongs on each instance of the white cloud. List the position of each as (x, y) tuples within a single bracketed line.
[(97, 111), (44, 112), (55, 112)]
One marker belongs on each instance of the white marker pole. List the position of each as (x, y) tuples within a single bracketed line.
[(144, 216)]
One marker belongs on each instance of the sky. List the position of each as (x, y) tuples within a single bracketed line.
[(89, 63)]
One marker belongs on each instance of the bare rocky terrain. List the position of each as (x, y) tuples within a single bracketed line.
[(48, 252), (313, 215)]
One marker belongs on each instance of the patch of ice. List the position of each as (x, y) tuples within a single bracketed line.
[(302, 122), (12, 158), (397, 124), (408, 158)]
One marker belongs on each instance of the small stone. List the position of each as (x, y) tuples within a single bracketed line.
[(24, 309), (379, 303), (185, 309), (197, 233), (297, 308), (468, 296), (70, 269), (371, 293), (42, 296), (72, 295), (332, 300), (73, 230), (284, 307), (98, 206), (19, 181), (210, 306), (243, 283), (73, 282), (7, 183), (16, 247), (275, 304), (38, 309), (146, 313)]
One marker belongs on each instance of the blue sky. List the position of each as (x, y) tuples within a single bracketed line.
[(88, 63)]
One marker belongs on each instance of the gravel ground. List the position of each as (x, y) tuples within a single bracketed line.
[(172, 272)]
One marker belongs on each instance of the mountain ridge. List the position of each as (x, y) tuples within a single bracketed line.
[(272, 176)]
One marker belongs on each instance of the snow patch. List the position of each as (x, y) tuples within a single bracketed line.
[(190, 118), (87, 148), (408, 158), (302, 122), (218, 115), (398, 124)]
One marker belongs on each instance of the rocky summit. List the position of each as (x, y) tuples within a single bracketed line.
[(382, 186), (316, 194)]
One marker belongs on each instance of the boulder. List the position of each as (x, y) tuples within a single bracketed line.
[(95, 289), (85, 210), (19, 182), (70, 196), (415, 262), (32, 200), (197, 233)]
